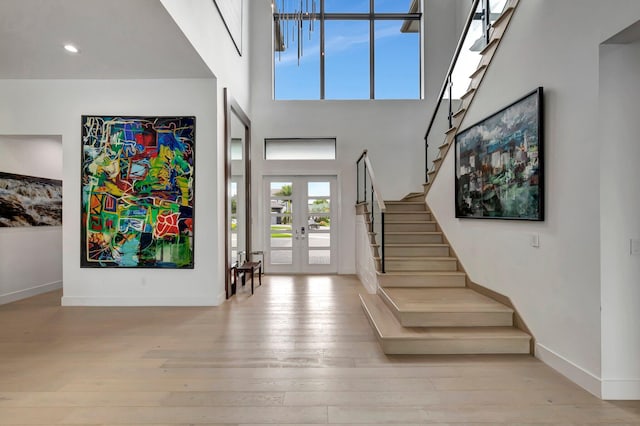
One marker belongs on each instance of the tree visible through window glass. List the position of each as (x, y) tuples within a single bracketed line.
[(347, 69)]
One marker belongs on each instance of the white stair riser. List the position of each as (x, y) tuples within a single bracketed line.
[(409, 227), (416, 265), (405, 207), (413, 238), (457, 346), (408, 251), (422, 280), (417, 197), (456, 319), (399, 217)]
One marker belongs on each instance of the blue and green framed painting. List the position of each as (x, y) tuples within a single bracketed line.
[(499, 163)]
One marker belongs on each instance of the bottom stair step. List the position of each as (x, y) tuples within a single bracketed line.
[(396, 339)]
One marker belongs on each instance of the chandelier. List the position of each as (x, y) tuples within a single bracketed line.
[(291, 19)]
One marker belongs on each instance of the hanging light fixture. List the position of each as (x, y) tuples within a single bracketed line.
[(289, 18)]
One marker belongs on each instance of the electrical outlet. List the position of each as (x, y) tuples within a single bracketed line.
[(535, 240), (635, 246)]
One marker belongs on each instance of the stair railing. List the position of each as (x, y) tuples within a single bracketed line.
[(369, 194), (475, 36)]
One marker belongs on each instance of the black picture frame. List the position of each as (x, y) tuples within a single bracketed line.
[(499, 163), (114, 190)]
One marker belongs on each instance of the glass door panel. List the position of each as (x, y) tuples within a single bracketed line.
[(299, 231)]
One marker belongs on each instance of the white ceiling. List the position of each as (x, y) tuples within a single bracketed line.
[(116, 38)]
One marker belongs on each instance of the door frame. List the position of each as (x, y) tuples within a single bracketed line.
[(336, 199), (231, 106)]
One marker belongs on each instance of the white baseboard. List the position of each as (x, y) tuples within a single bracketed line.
[(621, 389), (573, 372), (222, 296), (29, 292), (139, 301)]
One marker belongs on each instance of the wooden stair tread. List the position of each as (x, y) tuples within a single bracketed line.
[(416, 245), (393, 222), (403, 202), (450, 258), (504, 15), (423, 273), (492, 42), (468, 93), (412, 232), (478, 71), (442, 300), (387, 326), (423, 212), (459, 112)]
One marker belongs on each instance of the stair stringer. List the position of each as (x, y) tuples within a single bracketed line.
[(366, 265), (518, 320), (499, 29)]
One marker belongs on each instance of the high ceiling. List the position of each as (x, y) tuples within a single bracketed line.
[(117, 39)]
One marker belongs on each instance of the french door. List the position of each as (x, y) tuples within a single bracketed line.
[(300, 224)]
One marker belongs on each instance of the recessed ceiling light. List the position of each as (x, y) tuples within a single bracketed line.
[(71, 48)]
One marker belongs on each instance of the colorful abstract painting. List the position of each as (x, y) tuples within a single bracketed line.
[(137, 192), (29, 201), (499, 163)]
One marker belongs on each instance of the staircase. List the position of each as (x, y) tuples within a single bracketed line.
[(425, 303)]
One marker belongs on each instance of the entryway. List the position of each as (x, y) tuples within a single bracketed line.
[(300, 224)]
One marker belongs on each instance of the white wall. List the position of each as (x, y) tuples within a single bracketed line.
[(201, 23), (555, 287), (619, 207), (30, 257), (203, 26), (392, 131), (55, 107)]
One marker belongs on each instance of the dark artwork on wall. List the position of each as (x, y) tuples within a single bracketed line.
[(137, 192), (29, 201), (499, 163)]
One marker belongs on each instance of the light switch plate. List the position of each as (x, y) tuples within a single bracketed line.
[(535, 240), (635, 246)]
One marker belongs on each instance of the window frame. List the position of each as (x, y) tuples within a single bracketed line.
[(329, 140), (372, 17)]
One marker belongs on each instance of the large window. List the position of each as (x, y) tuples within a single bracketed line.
[(346, 49)]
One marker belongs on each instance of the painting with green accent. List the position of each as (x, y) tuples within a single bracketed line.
[(137, 192), (499, 163)]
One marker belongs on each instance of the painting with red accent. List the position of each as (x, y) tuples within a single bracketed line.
[(137, 192)]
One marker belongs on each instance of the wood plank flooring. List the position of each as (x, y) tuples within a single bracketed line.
[(300, 351)]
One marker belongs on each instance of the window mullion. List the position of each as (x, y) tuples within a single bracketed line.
[(372, 52), (322, 45)]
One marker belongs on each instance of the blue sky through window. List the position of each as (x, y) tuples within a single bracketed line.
[(347, 61)]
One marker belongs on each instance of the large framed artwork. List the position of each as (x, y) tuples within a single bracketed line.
[(29, 201), (137, 192), (499, 163)]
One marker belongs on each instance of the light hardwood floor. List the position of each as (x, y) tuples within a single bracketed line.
[(300, 351)]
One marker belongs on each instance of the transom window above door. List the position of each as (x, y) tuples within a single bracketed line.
[(346, 49)]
